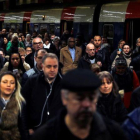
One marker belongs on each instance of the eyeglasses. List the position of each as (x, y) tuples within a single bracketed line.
[(36, 43)]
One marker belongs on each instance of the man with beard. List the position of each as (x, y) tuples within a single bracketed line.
[(102, 54), (126, 79), (89, 58), (79, 121)]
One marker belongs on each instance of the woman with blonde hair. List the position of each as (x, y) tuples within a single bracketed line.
[(12, 122)]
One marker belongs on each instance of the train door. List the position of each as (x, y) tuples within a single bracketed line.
[(132, 31), (66, 25), (26, 27)]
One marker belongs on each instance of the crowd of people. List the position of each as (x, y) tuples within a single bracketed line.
[(54, 88)]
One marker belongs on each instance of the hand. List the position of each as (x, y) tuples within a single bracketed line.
[(118, 52), (31, 131), (99, 63)]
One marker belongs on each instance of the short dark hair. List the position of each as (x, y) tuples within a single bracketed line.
[(1, 49), (46, 39), (126, 44)]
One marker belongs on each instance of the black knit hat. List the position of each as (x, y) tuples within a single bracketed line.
[(80, 80), (120, 61)]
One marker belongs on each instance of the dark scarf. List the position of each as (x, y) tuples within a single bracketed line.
[(9, 121), (90, 58), (107, 99)]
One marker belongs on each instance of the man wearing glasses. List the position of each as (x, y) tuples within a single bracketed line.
[(37, 68), (37, 44), (79, 119)]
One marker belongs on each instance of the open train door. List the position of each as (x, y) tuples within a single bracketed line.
[(26, 27), (132, 23), (67, 18), (66, 25), (26, 22), (132, 27)]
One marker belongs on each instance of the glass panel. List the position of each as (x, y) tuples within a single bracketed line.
[(108, 31), (43, 28), (52, 29)]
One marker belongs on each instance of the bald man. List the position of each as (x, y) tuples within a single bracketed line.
[(89, 58)]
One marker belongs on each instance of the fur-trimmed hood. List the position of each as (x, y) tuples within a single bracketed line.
[(9, 120)]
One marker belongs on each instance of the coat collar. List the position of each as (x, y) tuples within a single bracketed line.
[(66, 49), (95, 125)]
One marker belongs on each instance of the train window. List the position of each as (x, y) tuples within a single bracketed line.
[(13, 27), (7, 26), (52, 29), (43, 28), (108, 31), (36, 27)]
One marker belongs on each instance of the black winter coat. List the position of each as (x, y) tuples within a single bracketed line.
[(103, 56), (135, 99), (112, 107), (113, 55), (101, 129), (136, 65), (124, 81), (30, 59), (85, 63), (42, 99)]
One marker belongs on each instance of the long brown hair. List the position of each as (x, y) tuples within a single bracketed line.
[(108, 76)]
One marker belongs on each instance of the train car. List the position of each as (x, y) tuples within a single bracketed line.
[(120, 21), (114, 20), (76, 20)]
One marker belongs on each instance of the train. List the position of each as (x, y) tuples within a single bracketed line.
[(116, 21)]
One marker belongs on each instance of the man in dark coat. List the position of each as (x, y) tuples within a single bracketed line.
[(42, 95), (102, 54), (79, 120), (131, 126), (89, 58), (125, 78), (135, 99), (36, 69), (37, 44), (2, 35)]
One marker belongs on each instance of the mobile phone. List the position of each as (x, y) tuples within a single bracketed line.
[(15, 71), (120, 49)]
